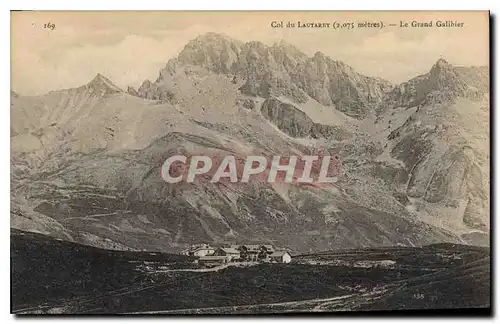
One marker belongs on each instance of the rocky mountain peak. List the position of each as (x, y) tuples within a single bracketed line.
[(212, 38), (443, 83), (280, 69), (327, 63), (286, 52), (131, 90), (216, 52), (442, 63), (441, 67), (319, 56), (286, 45), (449, 81), (101, 84)]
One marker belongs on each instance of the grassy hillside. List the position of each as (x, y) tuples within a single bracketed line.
[(51, 276)]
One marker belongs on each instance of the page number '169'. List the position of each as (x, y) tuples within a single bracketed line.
[(49, 25)]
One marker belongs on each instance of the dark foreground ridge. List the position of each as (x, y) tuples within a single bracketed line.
[(57, 277)]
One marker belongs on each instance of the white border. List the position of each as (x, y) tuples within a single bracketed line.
[(194, 5)]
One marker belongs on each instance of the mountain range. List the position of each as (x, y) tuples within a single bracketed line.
[(415, 156)]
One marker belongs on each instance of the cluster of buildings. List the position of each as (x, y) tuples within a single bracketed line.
[(209, 255)]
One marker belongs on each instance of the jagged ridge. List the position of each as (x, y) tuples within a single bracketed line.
[(280, 69)]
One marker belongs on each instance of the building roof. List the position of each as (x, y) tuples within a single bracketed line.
[(203, 248), (278, 254), (213, 258), (230, 250), (268, 246), (193, 246), (252, 247)]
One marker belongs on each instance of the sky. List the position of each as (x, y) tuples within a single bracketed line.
[(129, 47)]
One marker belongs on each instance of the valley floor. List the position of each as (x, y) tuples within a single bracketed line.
[(57, 277)]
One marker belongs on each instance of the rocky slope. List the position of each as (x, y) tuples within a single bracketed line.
[(444, 146), (86, 161)]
